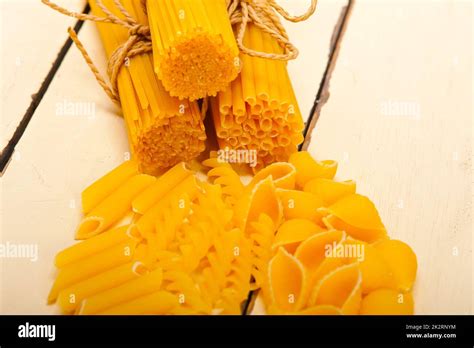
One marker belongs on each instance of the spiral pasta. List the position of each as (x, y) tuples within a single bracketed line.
[(223, 174)]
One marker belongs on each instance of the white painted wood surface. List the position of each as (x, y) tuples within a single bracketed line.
[(60, 155), (31, 36), (399, 121)]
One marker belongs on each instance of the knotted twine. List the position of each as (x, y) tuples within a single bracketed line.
[(262, 13)]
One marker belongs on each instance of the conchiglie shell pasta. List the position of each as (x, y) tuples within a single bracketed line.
[(401, 260), (387, 302), (262, 199), (307, 168), (369, 236), (287, 281), (300, 205), (283, 175), (312, 252), (292, 232), (376, 273), (356, 215), (330, 191), (340, 288), (358, 211)]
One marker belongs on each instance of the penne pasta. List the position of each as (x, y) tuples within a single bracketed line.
[(105, 186), (69, 299), (160, 302), (91, 266), (160, 188), (146, 223), (93, 246), (128, 291), (114, 207)]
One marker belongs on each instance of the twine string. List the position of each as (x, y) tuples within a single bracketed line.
[(262, 13), (138, 42)]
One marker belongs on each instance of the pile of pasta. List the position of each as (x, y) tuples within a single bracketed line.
[(195, 52), (162, 129), (192, 242), (259, 111), (164, 245)]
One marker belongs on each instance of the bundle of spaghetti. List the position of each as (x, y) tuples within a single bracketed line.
[(195, 52), (162, 130), (259, 110)]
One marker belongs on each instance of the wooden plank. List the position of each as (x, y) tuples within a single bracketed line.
[(399, 121), (313, 40), (60, 155), (27, 52)]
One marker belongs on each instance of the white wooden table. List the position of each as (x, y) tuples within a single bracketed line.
[(398, 119)]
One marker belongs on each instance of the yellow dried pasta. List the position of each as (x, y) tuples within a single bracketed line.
[(259, 111), (194, 49), (162, 130), (199, 246)]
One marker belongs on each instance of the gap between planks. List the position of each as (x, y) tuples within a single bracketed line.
[(7, 152), (321, 98), (323, 92)]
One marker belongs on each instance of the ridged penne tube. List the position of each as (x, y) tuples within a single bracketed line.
[(126, 292), (146, 223), (162, 130), (160, 302), (160, 188), (69, 299), (91, 266), (195, 52), (93, 246), (114, 207), (260, 104), (105, 186)]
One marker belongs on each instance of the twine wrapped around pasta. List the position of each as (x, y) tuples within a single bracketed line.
[(263, 13)]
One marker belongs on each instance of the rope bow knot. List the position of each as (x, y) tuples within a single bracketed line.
[(264, 15)]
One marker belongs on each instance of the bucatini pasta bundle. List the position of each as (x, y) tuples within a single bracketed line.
[(310, 245), (195, 52), (162, 130), (259, 111)]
